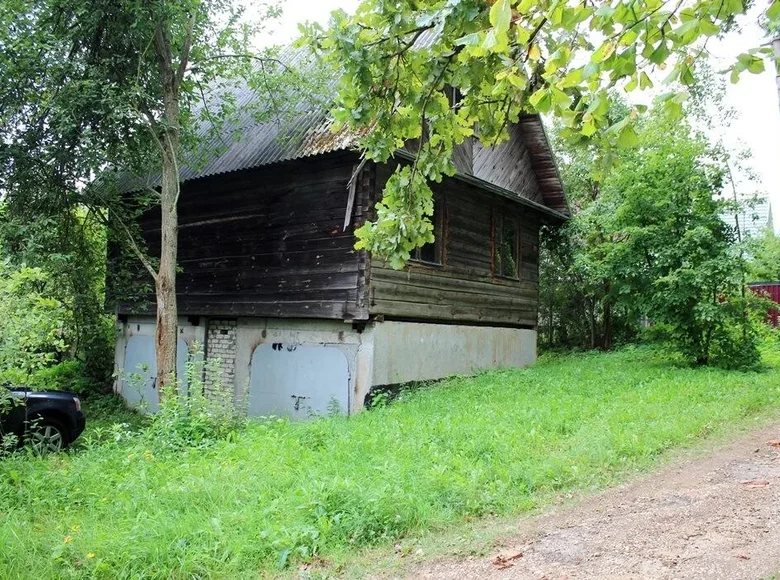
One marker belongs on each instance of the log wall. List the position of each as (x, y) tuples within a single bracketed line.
[(464, 287), (267, 242)]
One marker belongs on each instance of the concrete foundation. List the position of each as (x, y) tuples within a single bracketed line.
[(382, 353)]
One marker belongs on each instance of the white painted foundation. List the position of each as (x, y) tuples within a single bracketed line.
[(384, 353)]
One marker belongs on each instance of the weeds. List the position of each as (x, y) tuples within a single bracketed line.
[(207, 412), (276, 493)]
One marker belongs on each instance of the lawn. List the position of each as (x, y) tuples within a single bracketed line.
[(276, 493)]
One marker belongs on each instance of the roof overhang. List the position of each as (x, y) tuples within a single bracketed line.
[(551, 214), (544, 165)]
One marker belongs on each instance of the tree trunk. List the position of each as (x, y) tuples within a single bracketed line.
[(550, 331), (606, 343), (165, 282)]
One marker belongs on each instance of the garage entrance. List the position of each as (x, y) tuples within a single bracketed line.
[(139, 384), (298, 381)]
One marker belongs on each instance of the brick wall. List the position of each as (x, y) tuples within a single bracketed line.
[(221, 344)]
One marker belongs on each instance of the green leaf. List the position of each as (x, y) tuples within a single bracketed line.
[(469, 40), (686, 75), (628, 137), (660, 54), (589, 128), (603, 52), (644, 81), (756, 66), (501, 15), (708, 28), (572, 79), (774, 10), (541, 100)]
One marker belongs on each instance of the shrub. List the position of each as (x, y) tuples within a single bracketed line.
[(204, 412), (35, 327), (67, 375)]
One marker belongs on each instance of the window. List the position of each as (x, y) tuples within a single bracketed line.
[(433, 253), (506, 246)]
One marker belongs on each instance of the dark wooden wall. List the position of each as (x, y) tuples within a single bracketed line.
[(464, 288), (271, 242), (267, 242), (508, 166)]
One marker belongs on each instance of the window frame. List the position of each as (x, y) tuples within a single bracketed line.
[(497, 265)]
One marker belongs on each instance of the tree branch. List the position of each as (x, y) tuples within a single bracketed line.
[(133, 245), (185, 51)]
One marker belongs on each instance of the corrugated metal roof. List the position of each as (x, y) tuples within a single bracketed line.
[(295, 126), (291, 126)]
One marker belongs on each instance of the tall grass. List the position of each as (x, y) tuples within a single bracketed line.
[(280, 492)]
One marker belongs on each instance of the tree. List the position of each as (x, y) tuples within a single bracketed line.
[(68, 253), (765, 257), (648, 240), (403, 60), (115, 83)]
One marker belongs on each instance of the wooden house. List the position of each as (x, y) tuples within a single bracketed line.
[(271, 285)]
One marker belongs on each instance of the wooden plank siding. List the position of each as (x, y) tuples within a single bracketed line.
[(508, 166), (268, 242), (271, 242), (463, 288)]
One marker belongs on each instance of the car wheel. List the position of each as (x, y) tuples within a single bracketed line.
[(46, 435)]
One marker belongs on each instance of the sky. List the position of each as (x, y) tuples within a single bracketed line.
[(755, 97)]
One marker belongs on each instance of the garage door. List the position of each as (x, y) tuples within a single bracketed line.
[(298, 381), (139, 386)]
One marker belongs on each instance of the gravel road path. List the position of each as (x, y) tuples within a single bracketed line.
[(716, 516)]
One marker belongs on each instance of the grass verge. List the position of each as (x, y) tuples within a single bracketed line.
[(495, 444)]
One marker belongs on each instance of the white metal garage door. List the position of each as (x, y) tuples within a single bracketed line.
[(139, 384), (298, 381)]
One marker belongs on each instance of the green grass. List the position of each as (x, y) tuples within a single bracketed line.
[(498, 443)]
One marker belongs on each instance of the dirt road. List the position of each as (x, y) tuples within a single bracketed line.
[(713, 517)]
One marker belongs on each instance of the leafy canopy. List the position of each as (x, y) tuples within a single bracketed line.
[(648, 240), (504, 58)]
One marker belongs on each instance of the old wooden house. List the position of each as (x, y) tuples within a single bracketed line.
[(271, 284)]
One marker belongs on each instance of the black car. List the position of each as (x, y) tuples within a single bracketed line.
[(47, 420)]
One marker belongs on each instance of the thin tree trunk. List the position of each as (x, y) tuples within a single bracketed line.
[(165, 286), (606, 343), (550, 331), (165, 283), (592, 312)]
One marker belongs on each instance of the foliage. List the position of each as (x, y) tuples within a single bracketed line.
[(648, 241), (402, 63), (34, 327), (68, 251), (208, 412), (764, 264), (279, 492), (101, 85), (68, 375)]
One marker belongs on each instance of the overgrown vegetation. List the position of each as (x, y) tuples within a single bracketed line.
[(648, 251), (207, 411), (124, 504), (765, 262), (54, 332)]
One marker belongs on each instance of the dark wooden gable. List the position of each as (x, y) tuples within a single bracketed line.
[(508, 166)]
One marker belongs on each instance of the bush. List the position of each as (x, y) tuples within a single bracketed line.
[(207, 412), (65, 376), (35, 327)]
